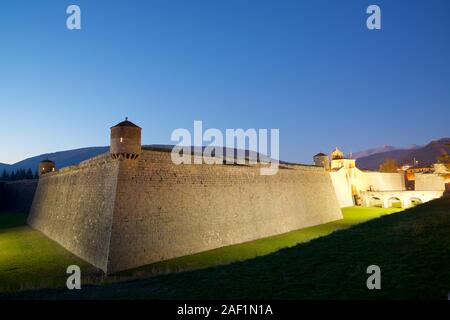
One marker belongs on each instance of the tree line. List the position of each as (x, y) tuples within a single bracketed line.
[(18, 174)]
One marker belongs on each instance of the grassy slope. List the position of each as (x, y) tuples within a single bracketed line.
[(412, 249), (28, 260)]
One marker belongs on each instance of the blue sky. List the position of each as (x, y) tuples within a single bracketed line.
[(310, 68)]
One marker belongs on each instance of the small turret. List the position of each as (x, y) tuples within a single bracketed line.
[(125, 140), (322, 160), (337, 154), (46, 166)]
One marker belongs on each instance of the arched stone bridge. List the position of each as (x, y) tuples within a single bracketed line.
[(392, 199)]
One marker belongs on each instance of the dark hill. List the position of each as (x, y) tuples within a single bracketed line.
[(61, 158), (73, 157), (371, 151), (426, 155)]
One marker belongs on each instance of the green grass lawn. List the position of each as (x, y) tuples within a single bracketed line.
[(29, 260), (411, 248)]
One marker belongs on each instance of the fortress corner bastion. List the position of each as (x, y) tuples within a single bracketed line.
[(133, 206)]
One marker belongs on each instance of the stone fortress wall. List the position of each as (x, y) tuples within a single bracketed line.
[(429, 181), (74, 207), (133, 207), (381, 181), (165, 211), (342, 188), (119, 214)]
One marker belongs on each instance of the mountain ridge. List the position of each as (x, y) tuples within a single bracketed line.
[(425, 155), (369, 159)]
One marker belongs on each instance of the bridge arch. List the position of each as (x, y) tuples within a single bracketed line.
[(414, 201), (374, 201), (393, 202), (400, 199)]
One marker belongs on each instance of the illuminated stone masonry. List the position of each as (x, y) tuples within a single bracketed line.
[(133, 207)]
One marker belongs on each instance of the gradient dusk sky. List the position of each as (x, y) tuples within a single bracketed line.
[(310, 68)]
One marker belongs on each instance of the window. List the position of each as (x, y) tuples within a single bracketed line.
[(121, 139)]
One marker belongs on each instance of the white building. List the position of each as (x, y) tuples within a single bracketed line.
[(353, 186)]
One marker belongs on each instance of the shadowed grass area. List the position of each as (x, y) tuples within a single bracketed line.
[(9, 220), (249, 250), (29, 260), (411, 248)]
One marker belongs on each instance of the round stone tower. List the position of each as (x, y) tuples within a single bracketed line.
[(46, 166), (125, 140), (322, 160)]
